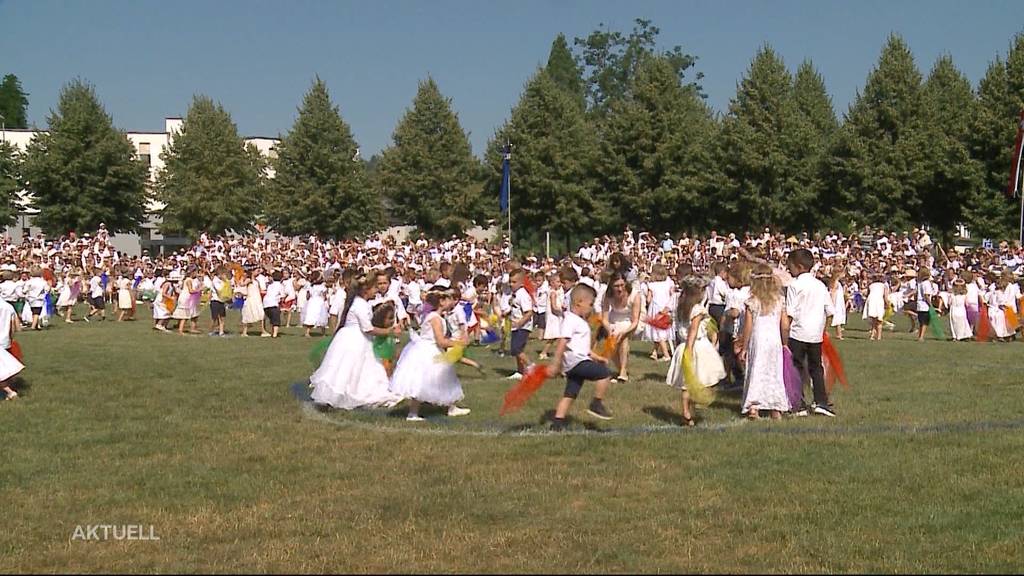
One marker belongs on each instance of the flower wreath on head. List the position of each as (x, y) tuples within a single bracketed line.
[(695, 280)]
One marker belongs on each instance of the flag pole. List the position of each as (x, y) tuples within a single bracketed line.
[(508, 156)]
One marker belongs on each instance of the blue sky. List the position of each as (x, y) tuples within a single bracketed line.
[(147, 58)]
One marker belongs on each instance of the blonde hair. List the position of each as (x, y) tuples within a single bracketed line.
[(764, 286), (659, 273)]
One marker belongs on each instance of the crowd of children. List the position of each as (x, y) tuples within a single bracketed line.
[(700, 295)]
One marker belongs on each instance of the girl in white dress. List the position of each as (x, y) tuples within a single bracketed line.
[(164, 288), (996, 314), (252, 310), (69, 291), (838, 293), (762, 352), (420, 375), (314, 313), (553, 325), (124, 297), (874, 307), (708, 365), (659, 294), (302, 285), (350, 376), (9, 365), (959, 324)]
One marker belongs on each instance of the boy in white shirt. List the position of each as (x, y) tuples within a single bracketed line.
[(271, 304), (808, 306), (96, 301), (577, 361), (541, 308), (522, 322)]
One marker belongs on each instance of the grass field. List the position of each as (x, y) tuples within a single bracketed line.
[(204, 440)]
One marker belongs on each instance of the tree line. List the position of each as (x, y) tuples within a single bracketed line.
[(613, 130)]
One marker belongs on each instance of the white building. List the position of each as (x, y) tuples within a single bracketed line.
[(148, 146)]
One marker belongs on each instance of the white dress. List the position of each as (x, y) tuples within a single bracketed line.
[(661, 298), (314, 313), (9, 365), (350, 376), (420, 374), (875, 306), (996, 316), (124, 295), (707, 363), (69, 293), (160, 311), (553, 326), (958, 323), (839, 306), (252, 310), (765, 389)]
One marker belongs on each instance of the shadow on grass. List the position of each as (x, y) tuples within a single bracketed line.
[(664, 415), (20, 385)]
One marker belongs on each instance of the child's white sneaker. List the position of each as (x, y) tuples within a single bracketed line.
[(12, 395), (454, 410), (414, 418), (516, 376)]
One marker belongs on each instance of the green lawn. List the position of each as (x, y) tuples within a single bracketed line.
[(203, 439)]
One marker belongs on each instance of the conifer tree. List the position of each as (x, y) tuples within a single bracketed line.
[(10, 183), (878, 164), (554, 149), (765, 145), (953, 177), (991, 212), (652, 168), (13, 103), (83, 171), (211, 181), (564, 71), (320, 185), (429, 174)]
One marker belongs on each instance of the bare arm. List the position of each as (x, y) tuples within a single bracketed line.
[(439, 337), (748, 321)]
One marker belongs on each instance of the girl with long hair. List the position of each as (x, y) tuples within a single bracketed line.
[(350, 376)]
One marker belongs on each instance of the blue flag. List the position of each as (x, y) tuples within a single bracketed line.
[(505, 180)]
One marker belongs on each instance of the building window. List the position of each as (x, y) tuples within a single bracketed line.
[(144, 153)]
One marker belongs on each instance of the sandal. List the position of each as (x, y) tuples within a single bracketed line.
[(688, 422)]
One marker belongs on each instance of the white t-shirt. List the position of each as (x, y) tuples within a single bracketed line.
[(216, 284), (275, 291), (925, 291), (577, 332), (95, 287), (6, 313), (542, 297), (521, 304), (413, 290), (808, 303)]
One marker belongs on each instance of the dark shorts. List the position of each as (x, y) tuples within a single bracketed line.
[(519, 340), (274, 314), (580, 373), (37, 310), (923, 319), (540, 320), (99, 303), (217, 310)]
